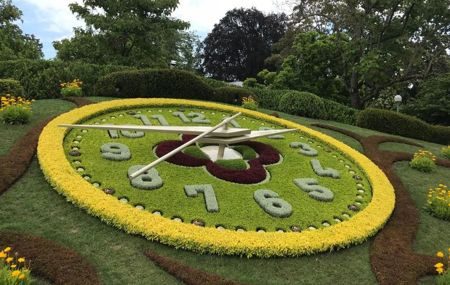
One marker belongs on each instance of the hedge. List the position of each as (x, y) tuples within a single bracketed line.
[(402, 125), (11, 87), (41, 78), (231, 95), (153, 83), (268, 98), (312, 106)]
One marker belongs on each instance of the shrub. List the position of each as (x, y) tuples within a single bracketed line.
[(15, 110), (438, 202), (446, 151), (340, 113), (432, 103), (268, 98), (249, 103), (42, 78), (231, 95), (302, 104), (250, 82), (153, 83), (11, 87), (444, 275), (214, 83), (402, 125), (423, 161), (72, 88), (13, 269), (234, 164)]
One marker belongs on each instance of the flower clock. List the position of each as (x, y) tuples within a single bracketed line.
[(221, 179)]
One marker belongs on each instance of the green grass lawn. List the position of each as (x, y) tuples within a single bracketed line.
[(32, 206), (42, 109)]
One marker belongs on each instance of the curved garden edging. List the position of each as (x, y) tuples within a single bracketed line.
[(392, 250), (65, 180)]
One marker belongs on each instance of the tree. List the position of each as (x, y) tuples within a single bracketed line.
[(237, 46), (14, 44), (314, 65), (133, 32), (388, 42)]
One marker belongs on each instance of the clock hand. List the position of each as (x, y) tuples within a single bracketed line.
[(180, 148), (188, 130)]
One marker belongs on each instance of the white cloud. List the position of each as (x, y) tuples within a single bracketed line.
[(55, 16)]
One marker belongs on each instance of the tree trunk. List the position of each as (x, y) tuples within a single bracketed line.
[(354, 91)]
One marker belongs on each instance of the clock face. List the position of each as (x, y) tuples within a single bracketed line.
[(295, 182), (284, 182)]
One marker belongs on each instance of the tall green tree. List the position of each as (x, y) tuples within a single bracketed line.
[(387, 42), (14, 44), (237, 46), (131, 32)]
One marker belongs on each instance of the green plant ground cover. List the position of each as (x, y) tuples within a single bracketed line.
[(236, 202), (42, 109), (32, 206)]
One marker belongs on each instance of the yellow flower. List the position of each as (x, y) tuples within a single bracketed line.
[(440, 270), (9, 259), (21, 260), (439, 265), (13, 266), (15, 273), (22, 276), (2, 255), (8, 249)]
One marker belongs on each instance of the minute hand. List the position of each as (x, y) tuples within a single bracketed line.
[(181, 147)]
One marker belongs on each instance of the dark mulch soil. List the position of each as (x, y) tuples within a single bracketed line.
[(51, 261), (79, 101), (392, 257), (187, 274), (16, 161)]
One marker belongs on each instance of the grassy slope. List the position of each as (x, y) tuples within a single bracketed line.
[(32, 206), (42, 109)]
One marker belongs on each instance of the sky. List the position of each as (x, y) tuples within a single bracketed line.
[(52, 20)]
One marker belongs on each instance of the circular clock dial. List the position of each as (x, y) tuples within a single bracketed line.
[(289, 182)]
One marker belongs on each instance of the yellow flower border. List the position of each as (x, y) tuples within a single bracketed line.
[(69, 183)]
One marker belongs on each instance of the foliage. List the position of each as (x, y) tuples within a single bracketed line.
[(13, 269), (314, 65), (214, 83), (312, 106), (237, 46), (249, 103), (438, 202), (235, 164), (251, 82), (195, 152), (208, 239), (444, 274), (247, 152), (423, 161), (133, 33), (268, 98), (432, 103), (15, 110), (231, 95), (403, 125), (153, 83), (11, 87), (13, 43), (72, 88), (383, 43), (446, 151), (41, 78)]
